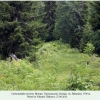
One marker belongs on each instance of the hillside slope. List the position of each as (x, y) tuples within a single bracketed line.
[(58, 67)]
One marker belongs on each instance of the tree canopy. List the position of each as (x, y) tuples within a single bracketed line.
[(23, 24), (17, 33)]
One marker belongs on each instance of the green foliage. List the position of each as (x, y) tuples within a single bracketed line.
[(17, 31), (79, 83), (94, 15), (57, 67), (92, 26), (32, 57), (96, 41), (89, 48), (82, 78), (69, 22), (49, 18), (53, 65), (86, 37)]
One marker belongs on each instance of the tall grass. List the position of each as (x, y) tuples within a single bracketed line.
[(58, 67)]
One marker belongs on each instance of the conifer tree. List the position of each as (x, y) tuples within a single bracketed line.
[(91, 32), (49, 18), (17, 33), (69, 22), (94, 20)]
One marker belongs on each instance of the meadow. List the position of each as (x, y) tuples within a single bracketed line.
[(57, 67)]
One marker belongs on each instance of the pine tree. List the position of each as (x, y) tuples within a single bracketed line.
[(49, 18), (91, 32), (94, 20), (69, 22), (17, 33)]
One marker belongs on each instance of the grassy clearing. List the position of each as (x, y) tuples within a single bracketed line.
[(58, 67)]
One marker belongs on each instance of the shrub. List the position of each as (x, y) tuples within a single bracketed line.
[(89, 48), (79, 83)]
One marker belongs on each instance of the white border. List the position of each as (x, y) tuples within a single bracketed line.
[(50, 95)]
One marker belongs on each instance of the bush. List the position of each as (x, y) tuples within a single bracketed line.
[(79, 83), (89, 48)]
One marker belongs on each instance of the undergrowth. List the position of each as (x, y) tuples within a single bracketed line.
[(57, 67)]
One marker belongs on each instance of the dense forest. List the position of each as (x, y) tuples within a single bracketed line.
[(23, 25), (30, 29)]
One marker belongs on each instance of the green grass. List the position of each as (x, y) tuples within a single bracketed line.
[(58, 67)]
